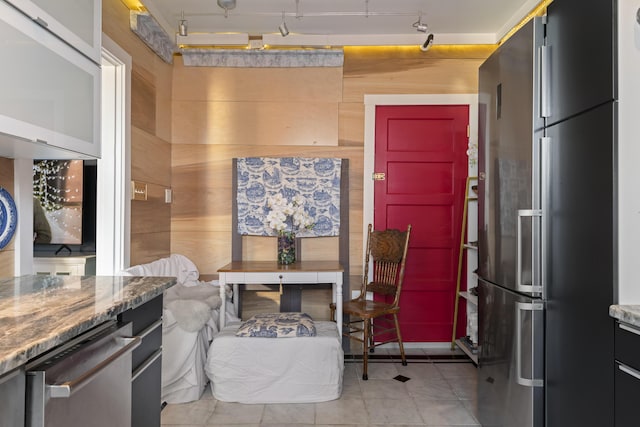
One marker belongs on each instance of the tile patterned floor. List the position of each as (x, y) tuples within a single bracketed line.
[(437, 394)]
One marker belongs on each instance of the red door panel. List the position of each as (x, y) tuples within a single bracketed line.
[(422, 151)]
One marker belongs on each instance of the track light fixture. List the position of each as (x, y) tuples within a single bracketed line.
[(427, 43), (283, 27), (227, 4), (419, 26), (182, 28)]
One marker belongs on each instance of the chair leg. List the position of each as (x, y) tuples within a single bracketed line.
[(372, 348), (404, 359), (365, 350)]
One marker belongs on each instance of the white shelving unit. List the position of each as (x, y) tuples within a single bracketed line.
[(84, 265)]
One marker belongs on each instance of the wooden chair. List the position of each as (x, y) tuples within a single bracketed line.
[(388, 251)]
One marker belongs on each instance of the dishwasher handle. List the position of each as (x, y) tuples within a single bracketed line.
[(67, 389)]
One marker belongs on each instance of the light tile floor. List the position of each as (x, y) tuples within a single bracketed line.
[(437, 394)]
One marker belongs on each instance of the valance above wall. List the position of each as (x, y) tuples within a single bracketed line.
[(317, 180)]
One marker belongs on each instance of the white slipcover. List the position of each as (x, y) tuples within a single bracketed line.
[(276, 370), (190, 320)]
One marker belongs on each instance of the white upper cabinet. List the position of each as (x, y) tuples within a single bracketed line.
[(49, 93), (78, 22)]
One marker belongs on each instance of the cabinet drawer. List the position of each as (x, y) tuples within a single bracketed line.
[(151, 342), (627, 390), (627, 345), (144, 315)]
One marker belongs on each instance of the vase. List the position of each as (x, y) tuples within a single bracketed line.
[(286, 248)]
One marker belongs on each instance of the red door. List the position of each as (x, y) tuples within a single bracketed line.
[(422, 151)]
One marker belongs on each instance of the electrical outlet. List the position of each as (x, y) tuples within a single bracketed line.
[(167, 195), (138, 190)]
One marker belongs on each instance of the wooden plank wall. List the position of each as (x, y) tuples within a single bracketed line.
[(151, 81), (7, 254), (222, 113)]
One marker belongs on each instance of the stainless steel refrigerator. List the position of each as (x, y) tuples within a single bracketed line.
[(546, 246)]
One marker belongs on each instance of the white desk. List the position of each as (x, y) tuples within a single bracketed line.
[(271, 273)]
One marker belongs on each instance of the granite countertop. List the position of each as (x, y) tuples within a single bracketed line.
[(38, 313), (626, 313)]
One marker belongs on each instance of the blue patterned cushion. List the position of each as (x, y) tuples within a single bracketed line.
[(278, 325)]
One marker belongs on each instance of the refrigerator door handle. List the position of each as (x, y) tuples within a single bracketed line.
[(521, 287), (545, 85), (520, 308)]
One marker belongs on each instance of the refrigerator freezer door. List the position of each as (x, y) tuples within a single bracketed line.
[(582, 45), (510, 128), (510, 361)]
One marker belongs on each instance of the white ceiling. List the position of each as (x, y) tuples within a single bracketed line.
[(451, 21)]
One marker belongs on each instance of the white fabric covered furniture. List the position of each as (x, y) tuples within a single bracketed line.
[(276, 370), (190, 320)]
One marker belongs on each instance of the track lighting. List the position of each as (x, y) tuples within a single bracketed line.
[(427, 43), (419, 26), (283, 27), (182, 28)]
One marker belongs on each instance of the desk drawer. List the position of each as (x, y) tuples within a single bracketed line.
[(327, 277), (293, 277), (272, 277)]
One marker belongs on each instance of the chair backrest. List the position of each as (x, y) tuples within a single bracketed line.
[(388, 251)]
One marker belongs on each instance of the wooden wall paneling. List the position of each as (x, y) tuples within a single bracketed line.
[(255, 123), (209, 250), (7, 261), (143, 100), (364, 59), (351, 124), (150, 158), (148, 247), (151, 91), (164, 91), (433, 77), (7, 254), (297, 85), (151, 215)]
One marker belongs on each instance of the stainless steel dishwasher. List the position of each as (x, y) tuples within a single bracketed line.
[(84, 382)]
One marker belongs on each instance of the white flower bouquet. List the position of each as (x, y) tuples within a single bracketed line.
[(287, 217)]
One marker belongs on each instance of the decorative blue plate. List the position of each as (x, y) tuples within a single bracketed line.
[(8, 217)]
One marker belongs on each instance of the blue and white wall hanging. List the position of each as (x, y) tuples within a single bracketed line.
[(317, 180), (8, 217)]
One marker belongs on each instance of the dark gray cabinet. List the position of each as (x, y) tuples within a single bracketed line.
[(12, 398), (146, 384), (627, 375)]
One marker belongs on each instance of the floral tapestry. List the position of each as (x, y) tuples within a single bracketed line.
[(315, 180)]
